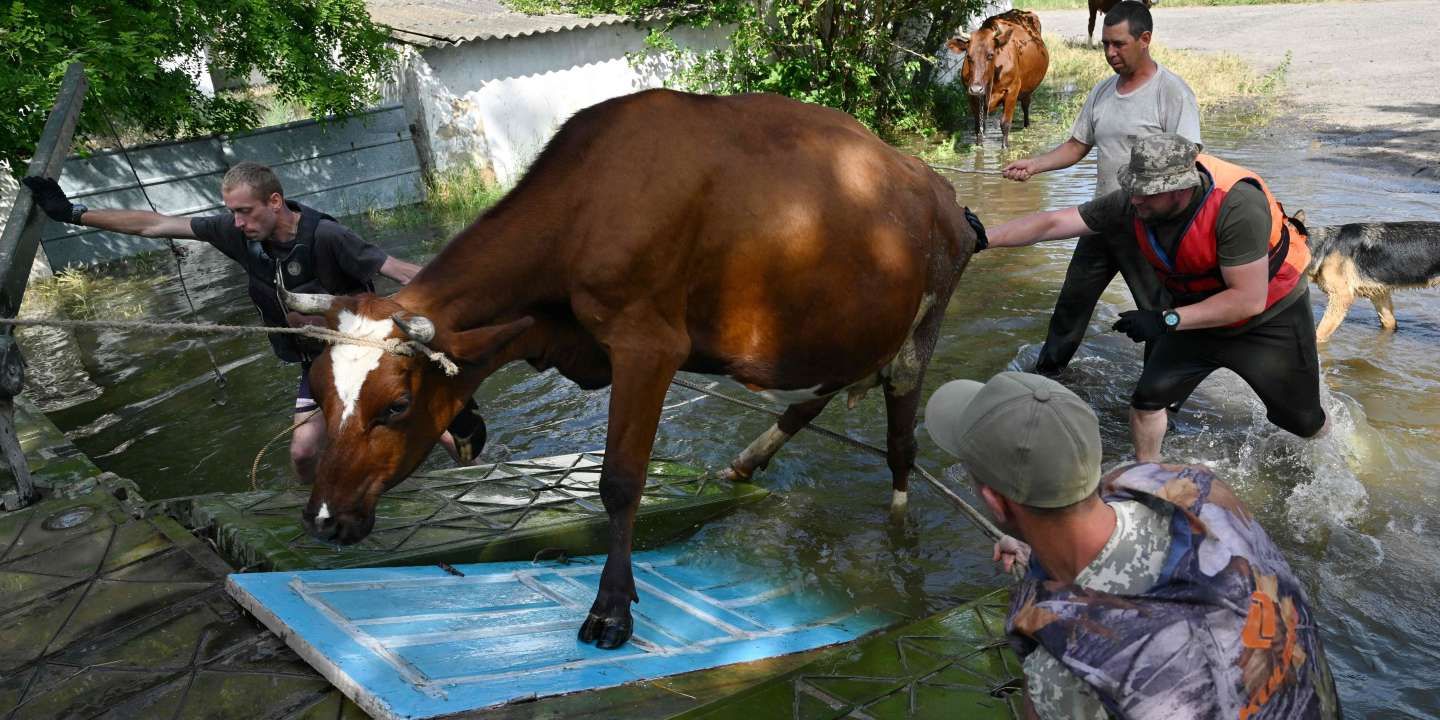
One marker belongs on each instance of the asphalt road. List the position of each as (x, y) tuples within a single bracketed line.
[(1363, 76)]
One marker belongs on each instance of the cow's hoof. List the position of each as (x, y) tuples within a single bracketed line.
[(899, 504), (605, 632)]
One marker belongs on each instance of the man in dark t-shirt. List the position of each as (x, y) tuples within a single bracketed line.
[(269, 235), (1234, 267)]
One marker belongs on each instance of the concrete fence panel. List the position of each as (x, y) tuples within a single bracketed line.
[(340, 167)]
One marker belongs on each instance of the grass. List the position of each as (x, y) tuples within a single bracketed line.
[(1083, 4), (117, 290), (273, 110), (453, 200), (1228, 90)]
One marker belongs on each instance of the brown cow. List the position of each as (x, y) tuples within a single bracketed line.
[(1104, 6), (1005, 60), (779, 243)]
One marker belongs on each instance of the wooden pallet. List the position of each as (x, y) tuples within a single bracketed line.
[(504, 511)]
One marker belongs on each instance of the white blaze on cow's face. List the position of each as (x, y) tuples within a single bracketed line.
[(351, 364)]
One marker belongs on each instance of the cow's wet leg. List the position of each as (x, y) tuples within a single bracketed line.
[(641, 378), (902, 400), (1006, 119), (757, 455), (1025, 108), (900, 411)]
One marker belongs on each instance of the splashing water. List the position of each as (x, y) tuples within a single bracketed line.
[(1224, 426), (1334, 495)]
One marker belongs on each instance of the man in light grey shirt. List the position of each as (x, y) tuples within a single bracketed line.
[(1142, 99)]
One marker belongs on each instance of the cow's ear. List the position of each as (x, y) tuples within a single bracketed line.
[(478, 345), (1003, 36), (958, 44)]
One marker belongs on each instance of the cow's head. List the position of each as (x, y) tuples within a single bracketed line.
[(384, 411), (980, 50)]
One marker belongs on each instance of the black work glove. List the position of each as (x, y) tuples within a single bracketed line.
[(981, 241), (51, 199), (1141, 325)]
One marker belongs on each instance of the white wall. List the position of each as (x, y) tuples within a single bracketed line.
[(495, 103)]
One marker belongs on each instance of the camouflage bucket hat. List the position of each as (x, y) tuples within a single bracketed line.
[(1160, 163)]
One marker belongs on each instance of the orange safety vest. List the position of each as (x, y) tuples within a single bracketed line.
[(1194, 273)]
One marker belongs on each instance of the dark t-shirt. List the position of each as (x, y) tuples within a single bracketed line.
[(1242, 232), (340, 264), (344, 262)]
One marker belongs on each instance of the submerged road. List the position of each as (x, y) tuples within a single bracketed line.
[(1362, 75)]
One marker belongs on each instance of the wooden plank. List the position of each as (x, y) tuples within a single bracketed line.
[(418, 642)]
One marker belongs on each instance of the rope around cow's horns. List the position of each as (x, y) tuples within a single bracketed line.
[(408, 347), (394, 346)]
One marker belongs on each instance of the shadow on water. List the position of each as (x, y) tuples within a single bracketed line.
[(1354, 511)]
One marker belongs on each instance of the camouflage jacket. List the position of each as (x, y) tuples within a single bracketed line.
[(1226, 632)]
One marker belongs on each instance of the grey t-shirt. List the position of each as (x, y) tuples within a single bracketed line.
[(1110, 121), (1129, 564)]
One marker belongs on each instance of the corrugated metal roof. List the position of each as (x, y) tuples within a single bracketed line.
[(443, 22)]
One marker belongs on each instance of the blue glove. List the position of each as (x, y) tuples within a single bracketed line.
[(1142, 325)]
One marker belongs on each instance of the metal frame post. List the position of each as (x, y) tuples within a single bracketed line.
[(19, 244)]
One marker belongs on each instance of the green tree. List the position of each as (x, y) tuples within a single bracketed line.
[(139, 55), (874, 59)]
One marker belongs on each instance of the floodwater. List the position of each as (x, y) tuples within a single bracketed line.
[(1356, 512)]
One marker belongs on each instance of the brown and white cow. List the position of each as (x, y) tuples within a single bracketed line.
[(1005, 60), (778, 243)]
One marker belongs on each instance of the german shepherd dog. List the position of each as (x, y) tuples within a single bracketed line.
[(1370, 260)]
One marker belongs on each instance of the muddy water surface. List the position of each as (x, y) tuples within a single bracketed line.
[(1356, 512)]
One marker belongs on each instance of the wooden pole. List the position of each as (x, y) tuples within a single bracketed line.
[(19, 244)]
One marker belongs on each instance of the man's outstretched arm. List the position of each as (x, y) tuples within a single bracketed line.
[(53, 201), (1064, 155), (1040, 227)]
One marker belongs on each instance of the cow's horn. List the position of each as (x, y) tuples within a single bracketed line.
[(416, 327), (306, 303)]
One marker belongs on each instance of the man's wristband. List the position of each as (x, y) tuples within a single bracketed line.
[(76, 210)]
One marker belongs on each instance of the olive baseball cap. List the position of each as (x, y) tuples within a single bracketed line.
[(1026, 436), (1160, 163)]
